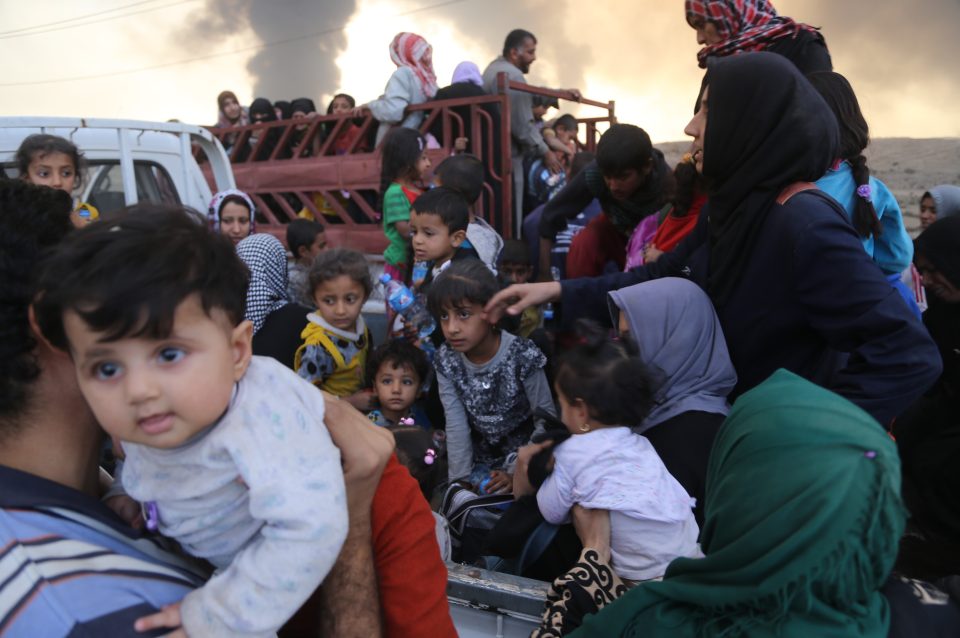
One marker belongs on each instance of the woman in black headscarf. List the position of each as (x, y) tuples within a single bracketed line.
[(301, 108), (261, 112), (787, 274), (928, 434)]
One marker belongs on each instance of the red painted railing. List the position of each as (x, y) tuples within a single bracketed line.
[(303, 169)]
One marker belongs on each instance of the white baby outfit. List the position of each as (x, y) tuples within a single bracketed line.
[(651, 515), (259, 494)]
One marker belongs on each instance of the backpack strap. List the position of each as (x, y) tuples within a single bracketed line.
[(793, 189)]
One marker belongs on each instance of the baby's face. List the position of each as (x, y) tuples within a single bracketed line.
[(396, 386), (161, 392)]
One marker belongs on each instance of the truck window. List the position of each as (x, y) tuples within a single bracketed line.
[(106, 185)]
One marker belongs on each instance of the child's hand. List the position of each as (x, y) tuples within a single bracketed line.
[(521, 485), (500, 481), (127, 509), (411, 334), (169, 616), (460, 144), (364, 400), (651, 253)]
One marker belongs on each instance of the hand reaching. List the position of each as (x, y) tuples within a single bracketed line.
[(514, 299), (169, 616), (500, 482)]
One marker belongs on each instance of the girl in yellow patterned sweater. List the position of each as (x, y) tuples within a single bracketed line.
[(336, 340)]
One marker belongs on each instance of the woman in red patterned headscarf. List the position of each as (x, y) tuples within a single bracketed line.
[(728, 27), (414, 82)]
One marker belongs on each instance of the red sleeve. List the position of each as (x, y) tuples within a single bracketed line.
[(593, 247), (412, 577)]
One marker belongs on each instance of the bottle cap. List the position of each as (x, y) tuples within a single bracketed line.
[(384, 278)]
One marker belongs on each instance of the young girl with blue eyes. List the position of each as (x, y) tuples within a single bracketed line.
[(490, 381)]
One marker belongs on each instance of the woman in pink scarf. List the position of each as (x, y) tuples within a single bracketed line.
[(728, 27), (414, 82)]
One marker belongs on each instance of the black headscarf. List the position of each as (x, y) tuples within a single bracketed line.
[(262, 111), (940, 244), (286, 109), (767, 128), (304, 105)]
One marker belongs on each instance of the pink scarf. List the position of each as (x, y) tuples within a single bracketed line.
[(409, 50)]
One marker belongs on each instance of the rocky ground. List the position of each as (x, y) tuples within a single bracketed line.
[(907, 166)]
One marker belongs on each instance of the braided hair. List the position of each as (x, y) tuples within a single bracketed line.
[(854, 138)]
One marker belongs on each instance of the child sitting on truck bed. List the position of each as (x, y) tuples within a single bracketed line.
[(336, 339), (464, 173), (227, 451)]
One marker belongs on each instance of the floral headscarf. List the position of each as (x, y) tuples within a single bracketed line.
[(216, 204), (409, 49)]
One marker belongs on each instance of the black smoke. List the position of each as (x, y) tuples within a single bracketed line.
[(304, 66)]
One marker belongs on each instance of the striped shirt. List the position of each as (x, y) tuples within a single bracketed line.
[(70, 567)]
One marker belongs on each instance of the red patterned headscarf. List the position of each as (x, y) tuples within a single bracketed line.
[(744, 25), (409, 49)]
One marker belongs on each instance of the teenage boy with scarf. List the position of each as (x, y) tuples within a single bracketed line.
[(631, 181)]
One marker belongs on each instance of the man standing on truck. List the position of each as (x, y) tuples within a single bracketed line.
[(519, 52)]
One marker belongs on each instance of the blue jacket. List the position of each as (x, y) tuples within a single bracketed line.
[(893, 249), (811, 301)]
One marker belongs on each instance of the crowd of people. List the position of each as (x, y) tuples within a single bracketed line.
[(725, 393)]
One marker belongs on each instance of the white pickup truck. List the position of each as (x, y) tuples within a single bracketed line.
[(129, 161)]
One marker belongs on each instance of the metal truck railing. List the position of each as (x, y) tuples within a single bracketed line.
[(291, 167)]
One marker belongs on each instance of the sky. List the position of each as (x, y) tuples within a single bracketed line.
[(162, 59)]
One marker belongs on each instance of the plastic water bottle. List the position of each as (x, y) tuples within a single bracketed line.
[(405, 303), (548, 312)]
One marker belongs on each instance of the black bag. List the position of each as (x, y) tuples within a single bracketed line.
[(471, 516)]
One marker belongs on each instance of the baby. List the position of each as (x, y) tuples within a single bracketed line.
[(227, 451), (604, 390)]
